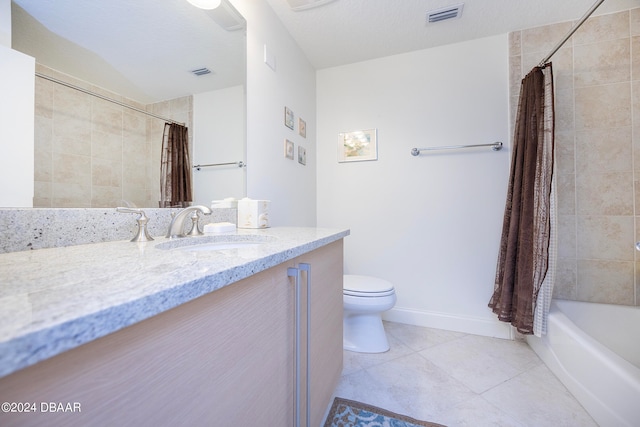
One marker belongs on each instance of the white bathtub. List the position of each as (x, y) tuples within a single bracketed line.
[(594, 349)]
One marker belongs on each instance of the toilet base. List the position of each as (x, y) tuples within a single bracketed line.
[(364, 333)]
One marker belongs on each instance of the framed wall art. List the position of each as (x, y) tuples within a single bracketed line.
[(302, 128), (288, 118), (288, 149), (358, 146), (302, 155)]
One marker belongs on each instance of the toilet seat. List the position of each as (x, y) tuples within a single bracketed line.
[(366, 286), (368, 294)]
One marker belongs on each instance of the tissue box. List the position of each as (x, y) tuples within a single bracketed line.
[(253, 213)]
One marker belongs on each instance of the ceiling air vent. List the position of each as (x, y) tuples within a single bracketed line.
[(442, 14), (201, 71)]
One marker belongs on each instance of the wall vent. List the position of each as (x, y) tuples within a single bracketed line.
[(442, 14), (201, 71)]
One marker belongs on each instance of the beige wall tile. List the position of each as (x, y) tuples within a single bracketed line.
[(566, 226), (635, 58), (515, 43), (636, 192), (43, 133), (106, 173), (565, 151), (607, 106), (604, 150), (44, 100), (71, 103), (42, 192), (72, 169), (68, 144), (565, 286), (134, 123), (603, 27), (608, 237), (43, 165), (566, 187), (634, 22), (515, 73), (71, 127), (605, 194), (182, 104), (106, 197), (637, 282), (105, 145), (543, 39), (106, 117), (564, 110), (602, 63), (562, 63), (608, 282), (135, 175), (69, 195), (635, 100)]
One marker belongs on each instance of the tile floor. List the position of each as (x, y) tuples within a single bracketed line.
[(459, 379)]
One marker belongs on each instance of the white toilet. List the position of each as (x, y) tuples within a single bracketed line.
[(365, 298)]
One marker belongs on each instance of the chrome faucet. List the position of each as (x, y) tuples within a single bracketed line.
[(176, 228)]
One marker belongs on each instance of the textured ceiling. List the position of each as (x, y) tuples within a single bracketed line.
[(144, 49), (346, 31)]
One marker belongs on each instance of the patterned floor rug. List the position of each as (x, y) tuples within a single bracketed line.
[(349, 413)]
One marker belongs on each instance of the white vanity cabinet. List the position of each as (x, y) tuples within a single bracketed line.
[(224, 359)]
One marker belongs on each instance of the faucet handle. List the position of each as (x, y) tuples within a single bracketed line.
[(195, 229), (143, 234)]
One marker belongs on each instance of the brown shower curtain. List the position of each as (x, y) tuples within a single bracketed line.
[(524, 246), (175, 169)]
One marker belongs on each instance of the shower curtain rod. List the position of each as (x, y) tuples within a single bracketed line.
[(570, 33), (97, 95)]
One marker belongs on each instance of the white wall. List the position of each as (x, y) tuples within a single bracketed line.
[(5, 23), (429, 224), (289, 185), (16, 119), (218, 137)]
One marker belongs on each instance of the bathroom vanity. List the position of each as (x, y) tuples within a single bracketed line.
[(160, 333)]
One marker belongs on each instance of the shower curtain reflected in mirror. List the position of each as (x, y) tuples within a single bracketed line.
[(525, 271), (175, 170)]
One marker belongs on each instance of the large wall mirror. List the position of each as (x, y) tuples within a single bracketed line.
[(169, 58)]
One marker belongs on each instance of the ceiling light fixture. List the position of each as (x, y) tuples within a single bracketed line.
[(444, 13), (205, 4), (222, 12), (299, 5)]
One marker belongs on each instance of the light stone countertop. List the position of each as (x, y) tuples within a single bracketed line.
[(52, 300)]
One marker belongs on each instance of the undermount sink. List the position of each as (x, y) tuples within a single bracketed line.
[(215, 243), (218, 246)]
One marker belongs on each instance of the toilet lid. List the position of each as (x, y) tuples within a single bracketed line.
[(366, 286)]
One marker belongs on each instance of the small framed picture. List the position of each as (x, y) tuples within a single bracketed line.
[(288, 149), (302, 128), (302, 155), (288, 118), (358, 146)]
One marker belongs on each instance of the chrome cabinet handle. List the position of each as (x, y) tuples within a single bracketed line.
[(307, 267), (295, 272)]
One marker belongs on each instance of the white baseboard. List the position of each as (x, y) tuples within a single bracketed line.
[(451, 322)]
